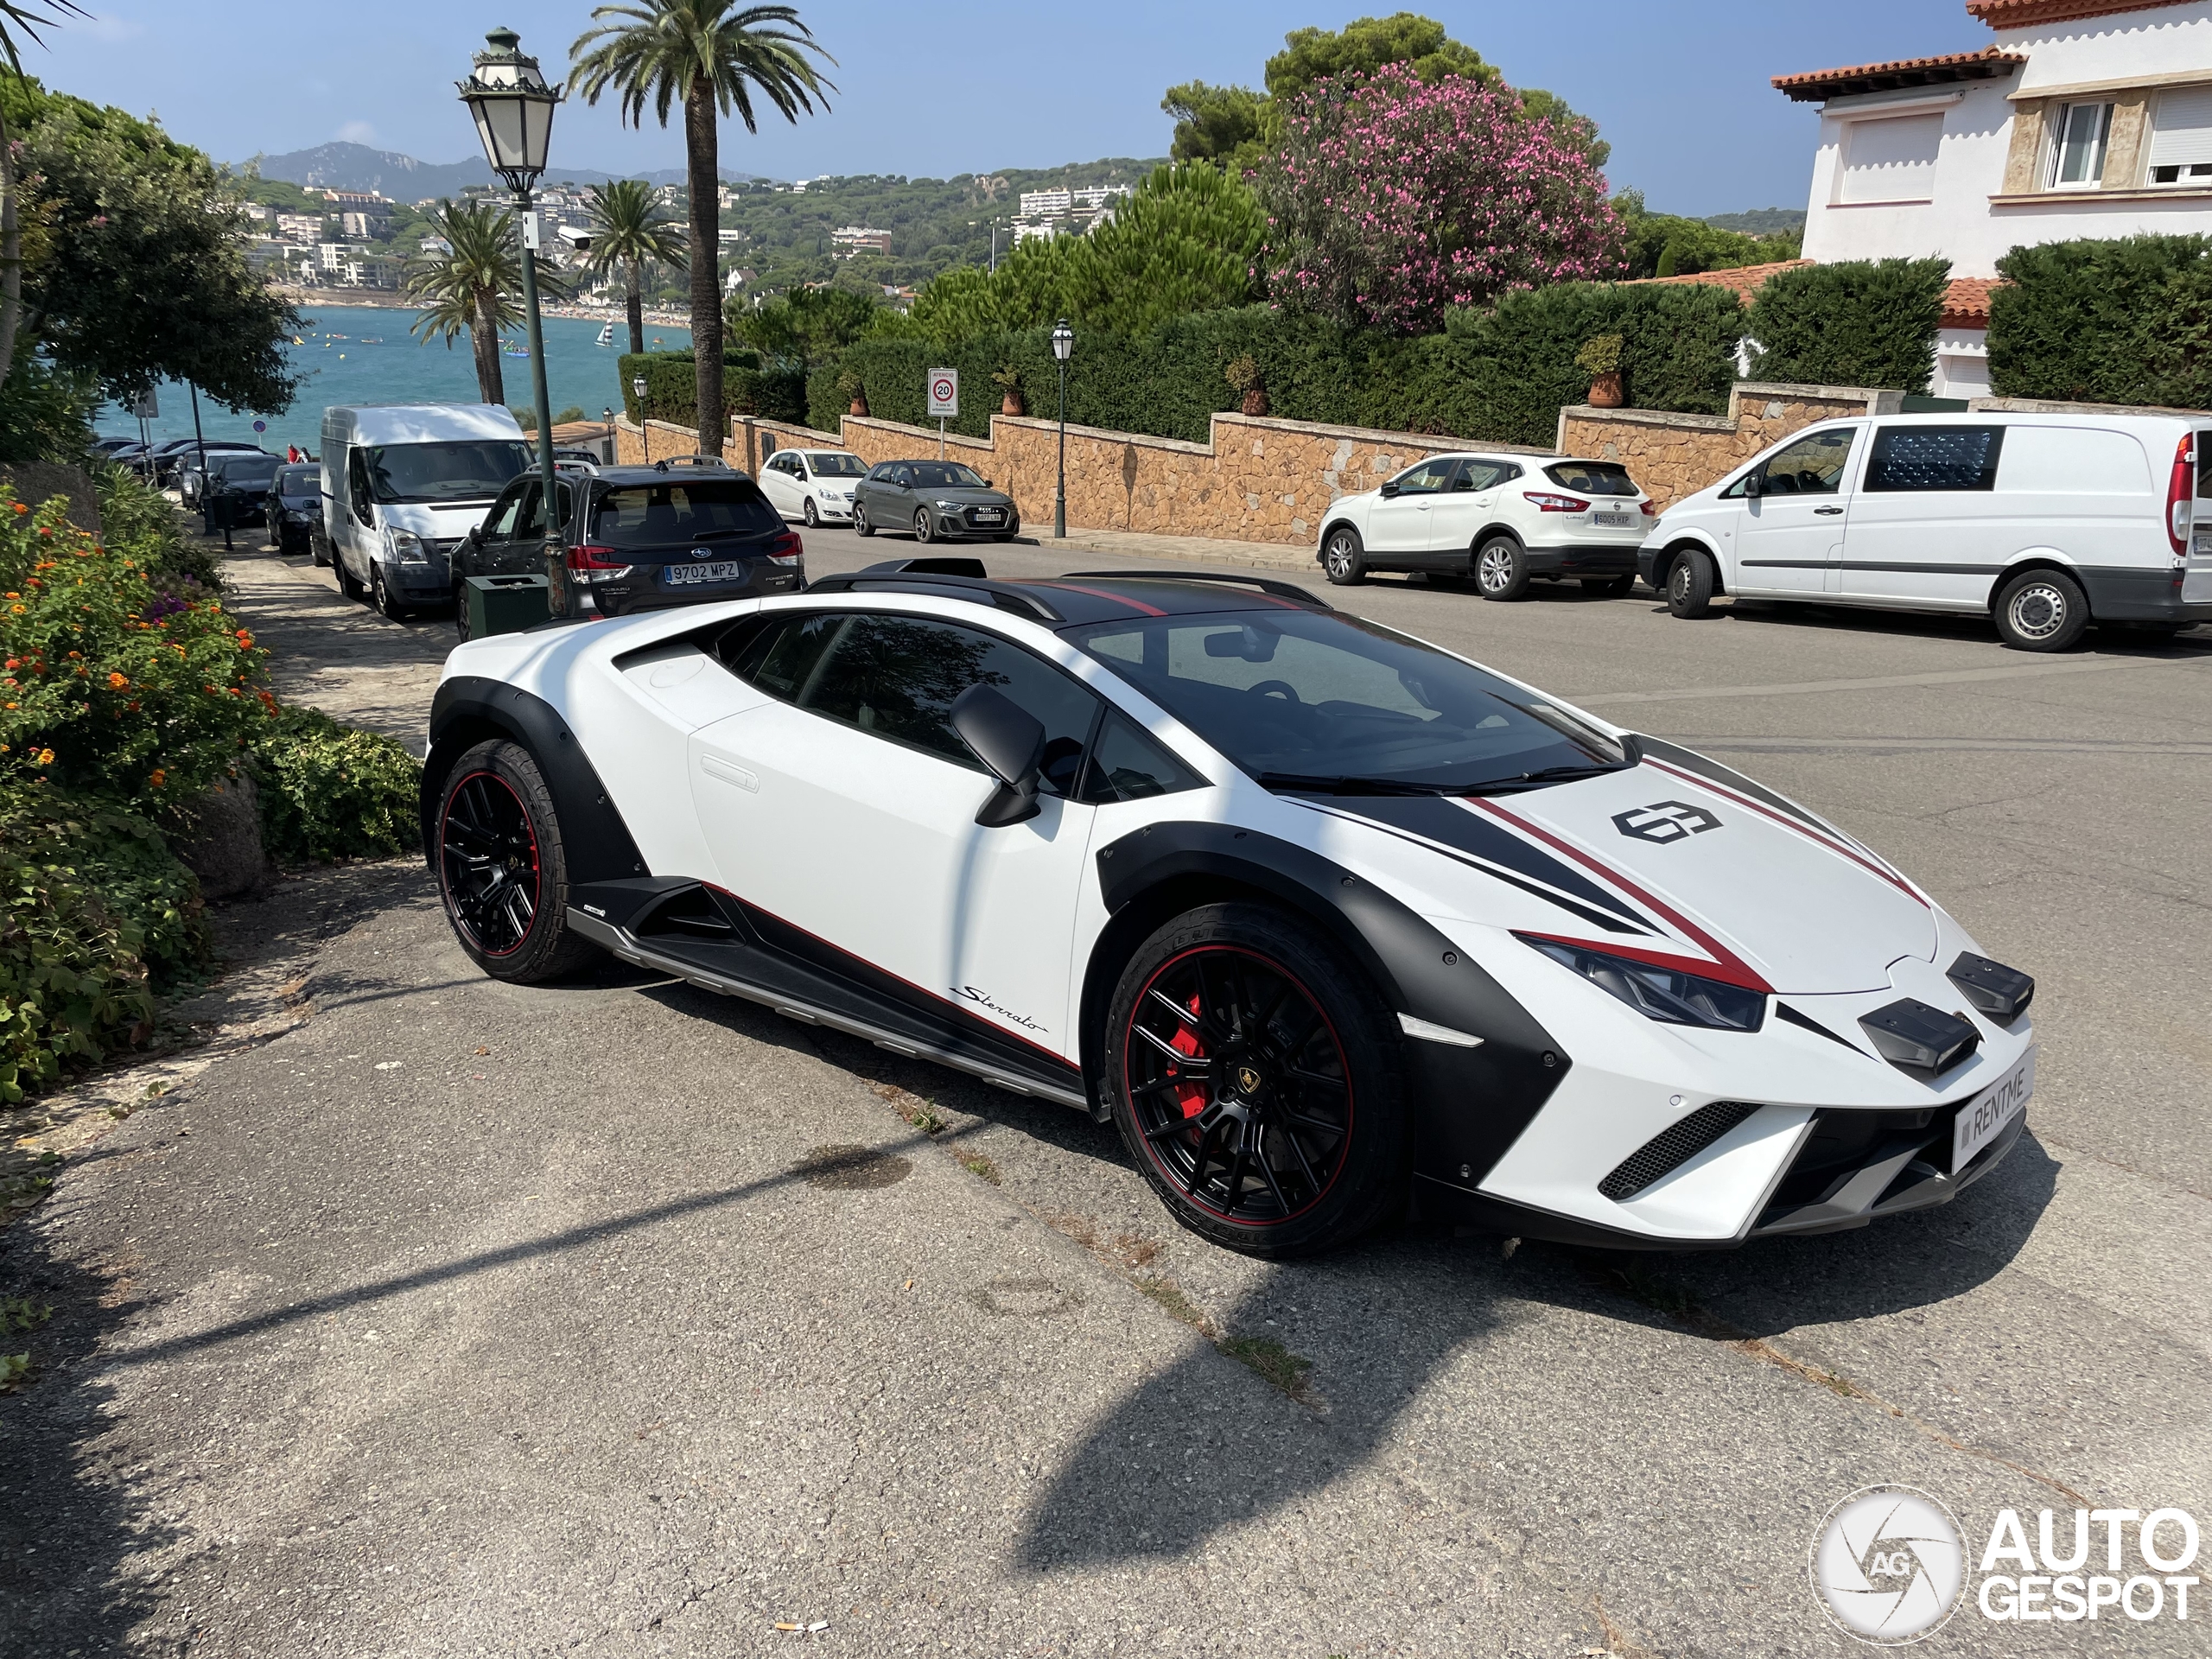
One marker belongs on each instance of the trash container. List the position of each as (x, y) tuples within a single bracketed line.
[(504, 604)]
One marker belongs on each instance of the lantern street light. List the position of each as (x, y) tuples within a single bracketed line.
[(645, 431), (513, 110), (608, 415), (1063, 348)]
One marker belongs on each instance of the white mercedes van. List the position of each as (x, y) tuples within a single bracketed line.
[(401, 484), (2043, 523)]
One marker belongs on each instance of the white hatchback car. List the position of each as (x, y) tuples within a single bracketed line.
[(814, 486), (1501, 519)]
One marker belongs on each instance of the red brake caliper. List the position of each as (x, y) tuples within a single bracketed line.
[(1189, 1094)]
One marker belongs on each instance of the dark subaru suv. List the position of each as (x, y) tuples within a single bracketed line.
[(640, 537)]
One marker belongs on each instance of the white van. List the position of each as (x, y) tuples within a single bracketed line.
[(401, 484), (2044, 523)]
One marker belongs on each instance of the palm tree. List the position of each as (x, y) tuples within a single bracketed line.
[(14, 17), (712, 54), (474, 283), (628, 232)]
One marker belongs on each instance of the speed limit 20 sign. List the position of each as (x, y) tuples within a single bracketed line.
[(944, 392)]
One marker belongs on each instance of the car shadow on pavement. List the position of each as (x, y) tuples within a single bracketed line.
[(2103, 641)]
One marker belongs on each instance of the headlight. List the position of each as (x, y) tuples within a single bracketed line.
[(1666, 995), (407, 547), (948, 507)]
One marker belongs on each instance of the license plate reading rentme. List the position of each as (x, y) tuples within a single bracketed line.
[(1613, 520), (717, 570), (1982, 1119)]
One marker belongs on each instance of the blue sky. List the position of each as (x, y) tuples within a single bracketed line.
[(1679, 87)]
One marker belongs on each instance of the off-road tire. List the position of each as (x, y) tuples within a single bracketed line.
[(1357, 1178), (503, 773)]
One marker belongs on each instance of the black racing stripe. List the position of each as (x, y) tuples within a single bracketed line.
[(1690, 760), (1434, 818)]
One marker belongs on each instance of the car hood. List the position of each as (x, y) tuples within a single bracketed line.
[(1659, 864), (441, 524)]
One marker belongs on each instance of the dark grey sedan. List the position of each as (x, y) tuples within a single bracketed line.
[(935, 501)]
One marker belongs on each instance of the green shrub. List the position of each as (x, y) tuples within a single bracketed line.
[(1499, 376), (138, 519), (2121, 322), (99, 918), (672, 387), (1862, 322), (331, 790)]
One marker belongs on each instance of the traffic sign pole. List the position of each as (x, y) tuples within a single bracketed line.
[(943, 388)]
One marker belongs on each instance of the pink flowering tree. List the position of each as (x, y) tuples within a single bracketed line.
[(1390, 201)]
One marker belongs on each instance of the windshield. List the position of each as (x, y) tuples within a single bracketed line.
[(1592, 477), (835, 466), (243, 469), (1309, 699), (943, 476), (470, 469), (300, 480), (640, 515)]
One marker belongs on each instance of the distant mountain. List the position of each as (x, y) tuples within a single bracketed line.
[(357, 166), (1760, 221)]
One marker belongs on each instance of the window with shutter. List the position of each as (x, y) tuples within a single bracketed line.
[(2181, 136), (1892, 159)]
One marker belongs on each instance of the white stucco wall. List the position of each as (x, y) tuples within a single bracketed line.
[(1958, 221)]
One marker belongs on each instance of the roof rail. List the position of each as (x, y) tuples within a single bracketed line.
[(700, 462), (1268, 585), (974, 589)]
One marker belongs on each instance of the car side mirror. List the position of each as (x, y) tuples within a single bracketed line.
[(1389, 491), (1753, 485), (1011, 742)]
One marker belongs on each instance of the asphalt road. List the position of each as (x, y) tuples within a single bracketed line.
[(472, 1320)]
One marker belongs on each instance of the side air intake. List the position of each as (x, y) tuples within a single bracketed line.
[(1669, 1149)]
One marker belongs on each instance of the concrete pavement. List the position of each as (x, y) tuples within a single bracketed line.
[(466, 1319)]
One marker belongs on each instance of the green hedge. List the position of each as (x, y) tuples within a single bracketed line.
[(330, 791), (1500, 376), (1862, 322), (672, 387), (2122, 321)]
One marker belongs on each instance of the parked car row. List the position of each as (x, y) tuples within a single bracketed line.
[(2046, 524)]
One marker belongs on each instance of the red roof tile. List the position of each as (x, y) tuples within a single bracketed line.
[(1818, 84), (1746, 280), (1966, 302), (2020, 14)]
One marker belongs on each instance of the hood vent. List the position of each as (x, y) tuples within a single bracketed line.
[(1915, 1038), (1668, 1150), (2000, 993)]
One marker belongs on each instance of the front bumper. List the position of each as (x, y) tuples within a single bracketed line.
[(960, 527), (1584, 559)]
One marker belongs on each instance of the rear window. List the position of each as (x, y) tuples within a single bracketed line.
[(1592, 477), (1917, 458), (639, 515)]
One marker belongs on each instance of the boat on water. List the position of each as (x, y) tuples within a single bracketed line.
[(607, 335), (514, 350)]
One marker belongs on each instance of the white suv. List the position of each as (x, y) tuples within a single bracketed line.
[(1501, 519), (812, 484)]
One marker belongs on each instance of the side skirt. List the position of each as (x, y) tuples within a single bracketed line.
[(800, 992)]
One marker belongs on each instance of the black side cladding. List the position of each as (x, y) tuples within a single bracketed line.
[(1469, 1105), (467, 709)]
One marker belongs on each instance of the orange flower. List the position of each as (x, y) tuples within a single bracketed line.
[(16, 610), (245, 639), (15, 595), (157, 777), (74, 655), (43, 758), (15, 662), (117, 682), (20, 507)]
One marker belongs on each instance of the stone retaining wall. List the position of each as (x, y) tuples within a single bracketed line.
[(1674, 455)]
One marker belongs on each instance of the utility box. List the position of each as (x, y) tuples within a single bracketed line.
[(504, 604)]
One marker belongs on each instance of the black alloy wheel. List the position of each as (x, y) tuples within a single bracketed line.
[(1254, 1083), (502, 870)]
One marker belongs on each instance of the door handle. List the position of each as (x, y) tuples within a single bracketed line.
[(729, 773), (1827, 512)]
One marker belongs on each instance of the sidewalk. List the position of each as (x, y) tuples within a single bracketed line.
[(1187, 550)]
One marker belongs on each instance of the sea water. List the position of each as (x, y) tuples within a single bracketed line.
[(363, 354)]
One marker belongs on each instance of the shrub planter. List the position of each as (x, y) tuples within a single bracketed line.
[(859, 407), (1255, 401), (1605, 390), (1012, 405)]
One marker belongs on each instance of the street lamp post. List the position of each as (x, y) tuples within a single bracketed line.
[(608, 415), (512, 106), (644, 428), (1063, 348)]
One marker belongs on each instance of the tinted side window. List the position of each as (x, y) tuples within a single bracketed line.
[(782, 657), (1127, 765), (1481, 475), (1813, 465), (499, 524), (899, 677), (1923, 458), (1428, 479)]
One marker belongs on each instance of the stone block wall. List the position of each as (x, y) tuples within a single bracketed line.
[(1674, 455)]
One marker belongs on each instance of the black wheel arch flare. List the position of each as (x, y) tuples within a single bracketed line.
[(1468, 1104), (468, 709)]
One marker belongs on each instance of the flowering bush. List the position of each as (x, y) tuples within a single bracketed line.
[(1391, 200), (332, 791), (117, 682)]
